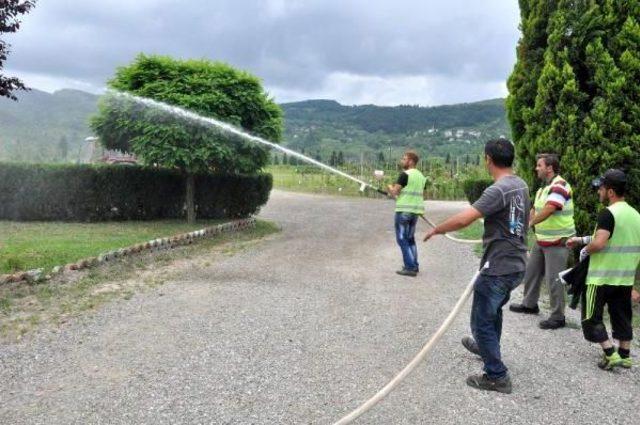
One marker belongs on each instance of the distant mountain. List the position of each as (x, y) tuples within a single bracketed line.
[(43, 127), (37, 127)]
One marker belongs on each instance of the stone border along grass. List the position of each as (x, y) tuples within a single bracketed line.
[(37, 275)]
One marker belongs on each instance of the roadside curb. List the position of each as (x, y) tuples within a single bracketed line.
[(37, 275)]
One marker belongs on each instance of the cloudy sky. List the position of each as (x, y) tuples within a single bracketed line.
[(385, 52)]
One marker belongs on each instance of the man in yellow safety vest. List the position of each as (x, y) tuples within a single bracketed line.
[(614, 256), (552, 219), (409, 193)]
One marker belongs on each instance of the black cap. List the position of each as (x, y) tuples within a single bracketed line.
[(611, 178)]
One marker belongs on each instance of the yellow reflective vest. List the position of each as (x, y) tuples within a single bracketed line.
[(560, 224), (411, 197), (616, 264)]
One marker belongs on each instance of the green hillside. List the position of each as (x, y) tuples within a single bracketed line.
[(45, 127), (372, 132)]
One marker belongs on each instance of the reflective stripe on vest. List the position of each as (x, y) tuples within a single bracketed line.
[(613, 273), (411, 197), (558, 225), (617, 263), (559, 233), (562, 212), (622, 249)]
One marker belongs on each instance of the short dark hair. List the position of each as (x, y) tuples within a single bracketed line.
[(618, 188), (413, 156), (501, 152), (550, 160)]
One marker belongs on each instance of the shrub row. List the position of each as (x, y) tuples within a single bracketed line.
[(473, 188), (100, 193)]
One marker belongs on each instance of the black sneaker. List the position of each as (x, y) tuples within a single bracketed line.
[(483, 382), (405, 272), (470, 344), (552, 324), (519, 308)]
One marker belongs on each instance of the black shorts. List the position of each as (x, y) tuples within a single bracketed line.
[(618, 301)]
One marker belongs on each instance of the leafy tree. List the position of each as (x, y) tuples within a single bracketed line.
[(211, 89), (448, 159), (333, 161), (340, 158), (9, 23), (586, 99), (380, 158)]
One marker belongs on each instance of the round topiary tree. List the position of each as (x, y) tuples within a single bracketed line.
[(210, 89)]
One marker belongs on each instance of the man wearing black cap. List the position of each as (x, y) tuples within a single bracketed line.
[(614, 255)]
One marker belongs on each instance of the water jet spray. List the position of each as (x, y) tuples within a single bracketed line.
[(230, 129)]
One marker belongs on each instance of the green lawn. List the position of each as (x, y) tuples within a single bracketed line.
[(287, 178), (472, 232), (312, 180), (30, 245), (23, 308)]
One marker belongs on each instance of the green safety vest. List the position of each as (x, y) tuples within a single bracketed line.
[(411, 198), (558, 225), (616, 264)]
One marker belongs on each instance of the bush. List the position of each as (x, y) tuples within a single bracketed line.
[(100, 193), (473, 188)]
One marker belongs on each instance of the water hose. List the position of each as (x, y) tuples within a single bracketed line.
[(416, 360), (432, 224)]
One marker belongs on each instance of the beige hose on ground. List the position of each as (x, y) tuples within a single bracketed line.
[(416, 360), (429, 222)]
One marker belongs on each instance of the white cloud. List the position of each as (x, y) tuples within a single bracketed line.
[(408, 90), (49, 83), (405, 51)]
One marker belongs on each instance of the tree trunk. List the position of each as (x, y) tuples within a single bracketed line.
[(190, 198)]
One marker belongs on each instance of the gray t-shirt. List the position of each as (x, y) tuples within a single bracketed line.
[(505, 206)]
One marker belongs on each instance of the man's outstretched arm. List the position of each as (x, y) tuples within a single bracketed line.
[(455, 222)]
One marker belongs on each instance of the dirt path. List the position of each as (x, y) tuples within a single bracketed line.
[(301, 328)]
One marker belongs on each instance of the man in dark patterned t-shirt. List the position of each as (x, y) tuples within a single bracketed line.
[(505, 207)]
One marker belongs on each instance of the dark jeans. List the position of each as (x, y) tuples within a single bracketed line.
[(405, 224), (490, 293)]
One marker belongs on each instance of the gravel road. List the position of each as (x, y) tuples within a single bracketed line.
[(300, 329)]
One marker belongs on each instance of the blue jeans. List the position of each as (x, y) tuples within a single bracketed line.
[(405, 224), (490, 293)]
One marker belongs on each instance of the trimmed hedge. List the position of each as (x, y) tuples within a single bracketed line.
[(473, 188), (99, 193)]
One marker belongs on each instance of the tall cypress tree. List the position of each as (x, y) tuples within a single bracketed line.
[(523, 82), (584, 104)]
